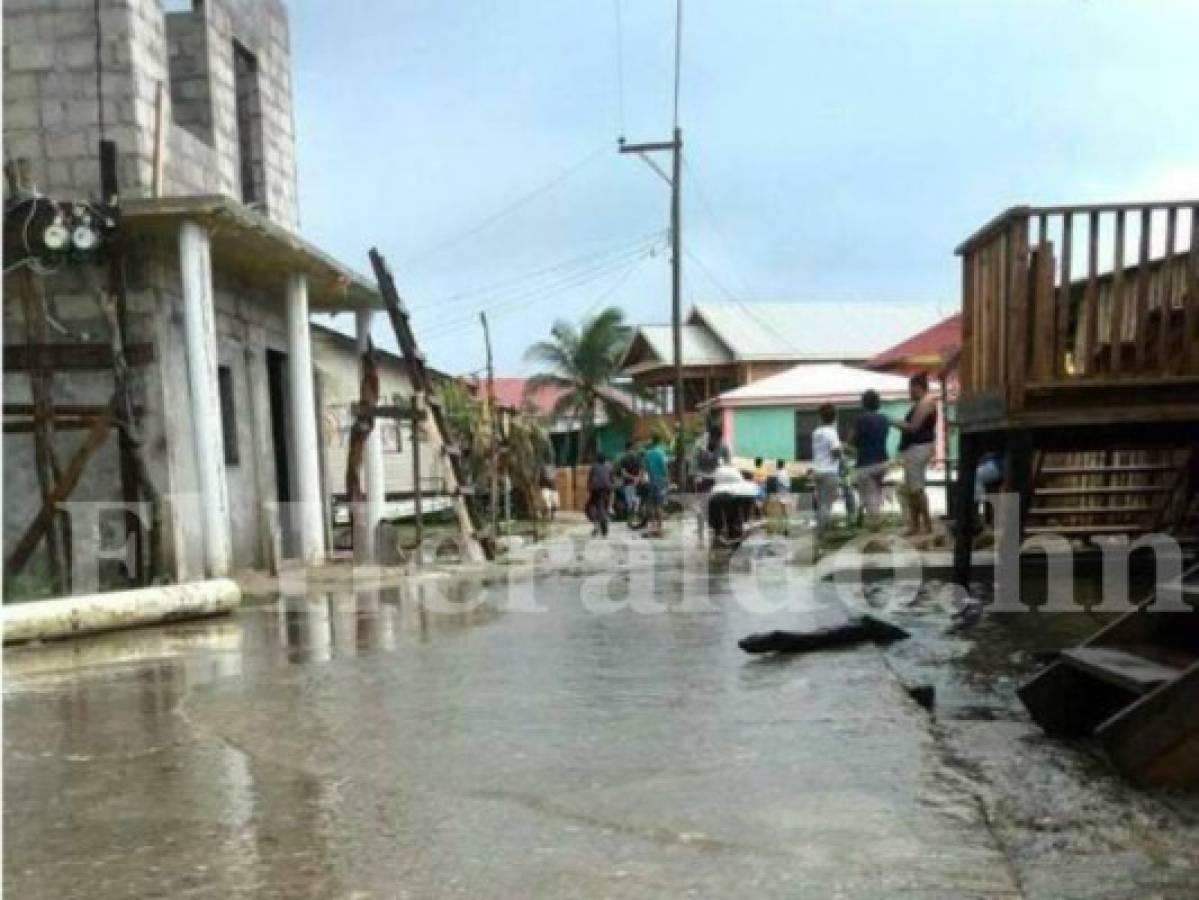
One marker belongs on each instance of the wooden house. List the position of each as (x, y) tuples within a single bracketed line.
[(1080, 361)]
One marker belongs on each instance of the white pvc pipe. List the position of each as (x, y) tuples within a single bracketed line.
[(90, 613), (199, 326), (305, 438), (375, 478)]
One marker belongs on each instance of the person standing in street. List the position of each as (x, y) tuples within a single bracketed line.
[(655, 470), (826, 464), (869, 440), (916, 446), (549, 490), (630, 475), (599, 488)]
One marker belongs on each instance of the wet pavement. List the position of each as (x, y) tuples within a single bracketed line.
[(401, 743)]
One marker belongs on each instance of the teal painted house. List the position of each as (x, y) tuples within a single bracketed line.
[(774, 418)]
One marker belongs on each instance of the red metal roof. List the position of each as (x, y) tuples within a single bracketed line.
[(510, 393), (923, 350)]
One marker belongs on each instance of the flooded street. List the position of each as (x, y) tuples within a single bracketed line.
[(387, 743)]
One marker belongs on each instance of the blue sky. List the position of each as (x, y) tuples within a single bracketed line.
[(835, 150)]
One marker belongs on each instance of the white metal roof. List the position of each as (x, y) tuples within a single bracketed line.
[(812, 330), (811, 383), (699, 348)]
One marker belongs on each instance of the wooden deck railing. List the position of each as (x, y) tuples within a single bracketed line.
[(1059, 296)]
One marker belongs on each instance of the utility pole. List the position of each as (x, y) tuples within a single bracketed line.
[(675, 146), (418, 425), (493, 462)]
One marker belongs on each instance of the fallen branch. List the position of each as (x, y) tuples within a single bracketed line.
[(858, 630)]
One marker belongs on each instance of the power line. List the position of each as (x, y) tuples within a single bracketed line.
[(539, 273), (725, 246), (708, 274), (521, 301), (678, 51), (615, 286), (619, 67), (506, 210), (583, 276)]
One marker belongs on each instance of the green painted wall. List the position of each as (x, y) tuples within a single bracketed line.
[(765, 431), (610, 440), (769, 431)]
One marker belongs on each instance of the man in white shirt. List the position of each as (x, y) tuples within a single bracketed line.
[(826, 464)]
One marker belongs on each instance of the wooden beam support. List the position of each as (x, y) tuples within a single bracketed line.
[(28, 542), (72, 357)]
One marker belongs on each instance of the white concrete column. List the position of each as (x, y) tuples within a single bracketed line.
[(305, 437), (199, 326), (376, 489)]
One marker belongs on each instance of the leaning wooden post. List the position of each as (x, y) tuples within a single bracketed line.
[(417, 429), (41, 386)]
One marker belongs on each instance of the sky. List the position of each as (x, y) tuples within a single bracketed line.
[(832, 150)]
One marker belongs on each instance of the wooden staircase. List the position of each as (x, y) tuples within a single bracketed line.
[(1109, 492), (1133, 685)]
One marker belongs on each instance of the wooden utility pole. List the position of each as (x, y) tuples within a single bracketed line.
[(417, 427), (492, 422), (468, 523), (675, 147)]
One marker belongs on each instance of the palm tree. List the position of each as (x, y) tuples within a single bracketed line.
[(582, 363)]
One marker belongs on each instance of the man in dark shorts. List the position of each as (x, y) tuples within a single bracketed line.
[(599, 487), (630, 475), (870, 464)]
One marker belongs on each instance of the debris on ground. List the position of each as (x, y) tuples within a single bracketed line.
[(858, 630)]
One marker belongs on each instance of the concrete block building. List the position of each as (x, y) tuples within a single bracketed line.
[(218, 285)]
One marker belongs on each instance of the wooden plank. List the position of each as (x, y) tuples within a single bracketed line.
[(1063, 344), (1017, 258), (1135, 207), (1163, 331), (1095, 470), (28, 542), (1155, 741), (72, 357), (1091, 296), (1044, 339), (1116, 327), (1123, 509), (41, 387), (1190, 339), (1104, 489), (1090, 528), (966, 364), (1140, 316), (1119, 667)]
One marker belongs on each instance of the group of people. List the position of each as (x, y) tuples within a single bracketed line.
[(640, 477), (868, 446)]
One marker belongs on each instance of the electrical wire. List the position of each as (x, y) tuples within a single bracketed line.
[(615, 286), (528, 299), (706, 207), (538, 274), (708, 274), (593, 270), (518, 302), (506, 210), (678, 51), (619, 68)]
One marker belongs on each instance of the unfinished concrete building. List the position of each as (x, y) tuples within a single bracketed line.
[(214, 285)]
